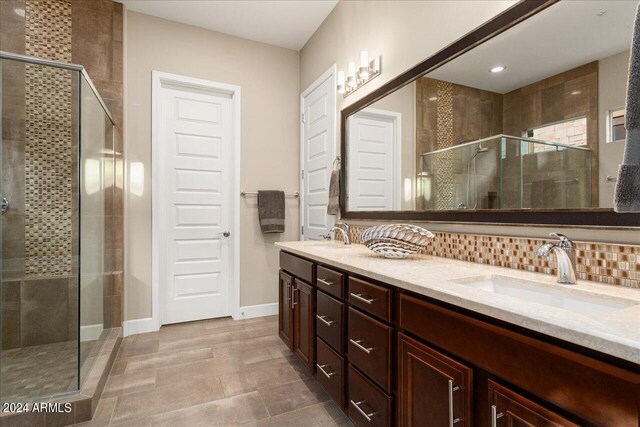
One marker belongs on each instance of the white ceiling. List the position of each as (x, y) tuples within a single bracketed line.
[(564, 36), (282, 23)]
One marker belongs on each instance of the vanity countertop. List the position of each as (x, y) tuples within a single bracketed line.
[(616, 332)]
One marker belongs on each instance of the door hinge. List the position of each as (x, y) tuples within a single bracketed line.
[(302, 118), (302, 174), (302, 230)]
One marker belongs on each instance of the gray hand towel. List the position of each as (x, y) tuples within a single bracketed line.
[(333, 207), (271, 211), (627, 195)]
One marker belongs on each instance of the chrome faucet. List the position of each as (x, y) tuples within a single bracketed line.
[(565, 252), (344, 229)]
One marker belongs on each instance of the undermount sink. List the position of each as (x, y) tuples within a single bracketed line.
[(551, 295)]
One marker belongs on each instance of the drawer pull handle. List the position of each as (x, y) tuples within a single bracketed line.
[(495, 415), (326, 374), (452, 420), (364, 414), (361, 298), (325, 321), (360, 346), (326, 282)]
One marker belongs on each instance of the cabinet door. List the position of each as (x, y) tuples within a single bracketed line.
[(511, 409), (285, 310), (433, 389), (304, 303)]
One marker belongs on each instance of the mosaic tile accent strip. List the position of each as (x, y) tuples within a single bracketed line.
[(48, 138), (599, 262), (444, 161)]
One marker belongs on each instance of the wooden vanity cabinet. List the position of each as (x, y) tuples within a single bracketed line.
[(303, 301), (433, 389), (509, 408), (394, 358), (297, 310), (285, 312)]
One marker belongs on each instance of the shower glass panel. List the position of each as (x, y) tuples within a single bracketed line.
[(505, 172), (55, 261)]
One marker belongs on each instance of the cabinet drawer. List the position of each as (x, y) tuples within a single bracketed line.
[(554, 374), (330, 281), (370, 347), (330, 371), (297, 266), (367, 404), (370, 298), (510, 408), (330, 314)]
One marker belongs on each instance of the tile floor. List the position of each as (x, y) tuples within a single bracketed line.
[(213, 372)]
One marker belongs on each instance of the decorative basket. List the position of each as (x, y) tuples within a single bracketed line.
[(396, 240)]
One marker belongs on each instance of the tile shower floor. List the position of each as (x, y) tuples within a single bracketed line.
[(42, 370), (213, 372)]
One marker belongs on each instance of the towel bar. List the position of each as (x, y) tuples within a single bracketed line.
[(255, 193)]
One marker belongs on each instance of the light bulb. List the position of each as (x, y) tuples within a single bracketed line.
[(364, 65), (351, 76), (341, 88)]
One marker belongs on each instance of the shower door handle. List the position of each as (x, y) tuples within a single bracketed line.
[(4, 205)]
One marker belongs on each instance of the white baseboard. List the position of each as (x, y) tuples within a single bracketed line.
[(91, 332), (138, 326), (259, 310)]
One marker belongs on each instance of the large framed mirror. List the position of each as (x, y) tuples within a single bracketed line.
[(520, 121)]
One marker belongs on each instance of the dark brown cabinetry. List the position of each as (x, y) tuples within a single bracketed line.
[(433, 389), (389, 357), (303, 301), (508, 408), (368, 405), (285, 312), (331, 371)]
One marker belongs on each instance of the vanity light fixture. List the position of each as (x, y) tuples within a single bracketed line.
[(341, 83), (498, 69), (358, 76)]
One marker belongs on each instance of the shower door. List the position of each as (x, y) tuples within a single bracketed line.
[(56, 229)]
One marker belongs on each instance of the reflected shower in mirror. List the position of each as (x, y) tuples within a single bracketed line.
[(530, 119)]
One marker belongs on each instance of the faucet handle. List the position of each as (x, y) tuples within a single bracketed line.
[(565, 242)]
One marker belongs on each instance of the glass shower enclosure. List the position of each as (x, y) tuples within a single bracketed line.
[(506, 172), (56, 231)]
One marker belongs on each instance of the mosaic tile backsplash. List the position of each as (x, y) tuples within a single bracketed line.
[(600, 262)]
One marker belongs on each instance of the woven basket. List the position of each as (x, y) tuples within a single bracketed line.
[(396, 240)]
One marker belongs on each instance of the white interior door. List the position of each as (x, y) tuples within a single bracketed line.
[(195, 134), (318, 105), (373, 154)]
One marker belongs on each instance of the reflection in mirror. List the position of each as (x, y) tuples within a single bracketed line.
[(531, 119)]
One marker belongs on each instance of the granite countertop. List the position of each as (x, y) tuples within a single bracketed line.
[(615, 332)]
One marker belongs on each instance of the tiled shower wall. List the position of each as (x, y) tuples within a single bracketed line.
[(40, 233), (600, 262)]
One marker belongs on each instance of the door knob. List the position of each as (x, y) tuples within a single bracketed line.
[(225, 234)]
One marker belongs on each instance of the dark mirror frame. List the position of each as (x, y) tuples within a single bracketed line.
[(576, 217)]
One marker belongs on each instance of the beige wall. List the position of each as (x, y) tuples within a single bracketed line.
[(268, 77), (405, 33), (612, 92)]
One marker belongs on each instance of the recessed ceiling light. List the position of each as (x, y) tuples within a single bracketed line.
[(19, 11), (576, 92), (433, 98), (497, 69)]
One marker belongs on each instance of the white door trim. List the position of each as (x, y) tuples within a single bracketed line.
[(329, 74), (158, 79), (396, 118)]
